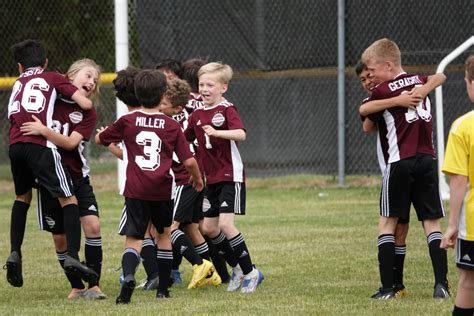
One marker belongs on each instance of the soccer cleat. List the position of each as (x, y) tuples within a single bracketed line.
[(151, 284), (251, 281), (161, 294), (384, 294), (126, 290), (176, 277), (235, 279), (13, 267), (400, 290), (95, 293), (200, 272), (213, 279), (442, 291), (73, 266), (76, 293)]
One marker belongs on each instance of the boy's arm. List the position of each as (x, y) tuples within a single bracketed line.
[(368, 126), (196, 179), (406, 100), (231, 134), (457, 187), (116, 151), (82, 101), (433, 82)]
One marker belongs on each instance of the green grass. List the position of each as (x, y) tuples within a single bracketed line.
[(315, 243)]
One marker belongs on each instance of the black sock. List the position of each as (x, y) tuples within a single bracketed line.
[(165, 258), (130, 261), (224, 249), (177, 259), (439, 257), (242, 253), (400, 252), (181, 243), (458, 311), (72, 228), (18, 224), (217, 260), (203, 250), (148, 255), (386, 255), (93, 254), (75, 281)]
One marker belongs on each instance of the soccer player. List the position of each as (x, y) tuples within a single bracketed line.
[(218, 127), (411, 172), (170, 67), (150, 138), (33, 158), (459, 166), (72, 128), (187, 211)]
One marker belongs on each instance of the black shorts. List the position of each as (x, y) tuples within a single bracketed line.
[(50, 212), (187, 204), (411, 180), (137, 214), (33, 162), (465, 254), (225, 197)]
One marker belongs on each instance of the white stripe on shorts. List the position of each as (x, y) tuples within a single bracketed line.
[(384, 200), (177, 197), (123, 218), (238, 187), (61, 173)]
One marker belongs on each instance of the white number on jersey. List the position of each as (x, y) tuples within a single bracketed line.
[(33, 100), (422, 110), (151, 150)]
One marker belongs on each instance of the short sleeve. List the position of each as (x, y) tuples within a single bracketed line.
[(233, 118)]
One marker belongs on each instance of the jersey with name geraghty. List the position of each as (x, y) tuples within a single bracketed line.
[(149, 140), (34, 93), (220, 157), (68, 117), (403, 132)]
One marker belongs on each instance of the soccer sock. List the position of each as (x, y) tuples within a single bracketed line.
[(72, 228), (18, 224), (386, 255), (439, 257), (242, 253), (400, 252), (75, 281), (165, 258), (93, 254), (182, 244), (148, 255), (458, 311), (203, 250), (217, 260), (130, 261), (224, 249)]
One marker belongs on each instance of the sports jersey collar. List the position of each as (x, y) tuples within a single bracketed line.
[(213, 107), (149, 113), (400, 74)]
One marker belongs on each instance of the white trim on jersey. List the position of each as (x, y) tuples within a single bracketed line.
[(61, 173), (380, 156), (123, 218), (49, 116), (85, 166), (125, 164), (238, 189), (384, 205), (237, 165), (393, 150)]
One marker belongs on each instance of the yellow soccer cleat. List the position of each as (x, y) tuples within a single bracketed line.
[(199, 273)]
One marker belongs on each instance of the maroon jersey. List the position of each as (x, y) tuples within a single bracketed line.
[(149, 140), (403, 132), (220, 157), (34, 93), (68, 117)]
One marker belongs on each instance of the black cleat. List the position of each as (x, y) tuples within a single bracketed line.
[(442, 291), (161, 294), (151, 284), (126, 290), (73, 266), (13, 267), (384, 294)]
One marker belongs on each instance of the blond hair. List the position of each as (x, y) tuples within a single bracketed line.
[(224, 71), (470, 68), (78, 65), (177, 92), (383, 50)]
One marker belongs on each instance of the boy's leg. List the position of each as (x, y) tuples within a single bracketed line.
[(401, 233), (439, 257), (149, 260), (130, 261), (165, 258)]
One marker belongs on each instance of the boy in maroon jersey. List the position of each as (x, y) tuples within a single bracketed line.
[(170, 67), (72, 128), (217, 128), (411, 173), (33, 158), (150, 139)]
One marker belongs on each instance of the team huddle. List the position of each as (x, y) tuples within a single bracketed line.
[(184, 178), (399, 110)]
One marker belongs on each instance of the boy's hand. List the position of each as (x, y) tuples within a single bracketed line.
[(33, 128), (449, 238), (198, 184), (210, 131), (409, 99)]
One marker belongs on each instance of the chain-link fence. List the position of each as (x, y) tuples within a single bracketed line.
[(284, 54)]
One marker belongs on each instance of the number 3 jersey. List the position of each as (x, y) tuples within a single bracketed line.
[(34, 93), (403, 132), (68, 117), (149, 140)]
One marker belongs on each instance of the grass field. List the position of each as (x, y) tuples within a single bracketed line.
[(315, 243)]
